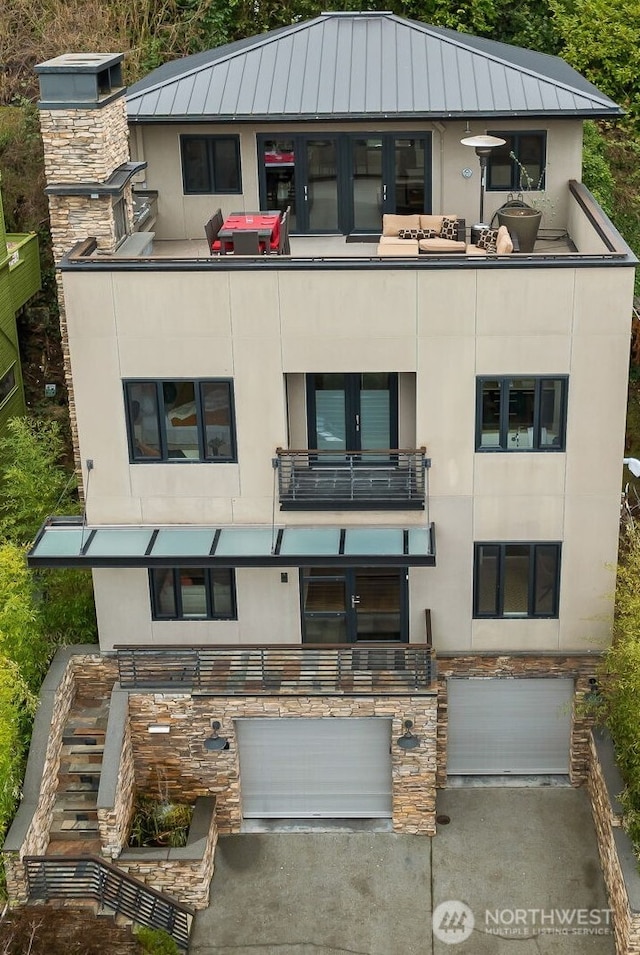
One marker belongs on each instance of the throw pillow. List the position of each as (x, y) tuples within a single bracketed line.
[(410, 234), (430, 234), (487, 240), (449, 229)]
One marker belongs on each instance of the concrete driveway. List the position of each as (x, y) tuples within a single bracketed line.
[(512, 864)]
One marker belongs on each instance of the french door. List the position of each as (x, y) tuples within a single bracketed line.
[(344, 182), (357, 604), (352, 412)]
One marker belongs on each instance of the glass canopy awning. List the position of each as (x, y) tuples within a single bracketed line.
[(68, 542)]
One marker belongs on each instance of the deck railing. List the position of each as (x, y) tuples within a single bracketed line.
[(363, 669), (312, 479), (88, 877)]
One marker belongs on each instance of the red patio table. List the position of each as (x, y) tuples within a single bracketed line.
[(266, 224)]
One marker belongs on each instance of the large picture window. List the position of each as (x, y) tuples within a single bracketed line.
[(516, 580), (193, 593), (518, 165), (180, 420), (521, 414), (210, 164)]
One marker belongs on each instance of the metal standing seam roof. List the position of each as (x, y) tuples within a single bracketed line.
[(363, 66)]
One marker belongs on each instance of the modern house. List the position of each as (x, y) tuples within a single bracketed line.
[(19, 282), (358, 510)]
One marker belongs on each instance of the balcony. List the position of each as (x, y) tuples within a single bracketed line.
[(363, 669), (352, 480)]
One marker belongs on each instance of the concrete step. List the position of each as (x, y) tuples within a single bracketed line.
[(73, 829), (80, 747), (74, 785), (75, 801)]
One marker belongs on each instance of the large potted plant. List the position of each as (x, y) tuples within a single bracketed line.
[(521, 218)]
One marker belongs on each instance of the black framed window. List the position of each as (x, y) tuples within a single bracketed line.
[(7, 383), (119, 218), (210, 164), (193, 593), (179, 420), (519, 165), (521, 413), (516, 580)]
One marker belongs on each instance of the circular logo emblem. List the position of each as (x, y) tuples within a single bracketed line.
[(452, 922)]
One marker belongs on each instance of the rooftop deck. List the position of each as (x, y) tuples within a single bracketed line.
[(587, 237)]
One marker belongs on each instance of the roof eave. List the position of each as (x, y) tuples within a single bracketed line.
[(613, 113)]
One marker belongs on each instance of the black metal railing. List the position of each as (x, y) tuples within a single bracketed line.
[(88, 877), (311, 479), (359, 669)]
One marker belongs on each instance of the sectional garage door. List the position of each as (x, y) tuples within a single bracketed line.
[(509, 726), (297, 768)]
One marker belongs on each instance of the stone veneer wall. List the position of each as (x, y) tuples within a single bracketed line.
[(577, 666), (179, 761), (618, 861), (82, 145), (116, 812), (184, 873), (29, 834)]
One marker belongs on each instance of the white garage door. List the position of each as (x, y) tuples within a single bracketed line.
[(509, 726), (296, 768)]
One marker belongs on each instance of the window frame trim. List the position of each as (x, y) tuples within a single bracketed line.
[(16, 382), (503, 426), (209, 139), (515, 170), (200, 425), (502, 546), (156, 615)]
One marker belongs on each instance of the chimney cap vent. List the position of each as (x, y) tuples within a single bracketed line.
[(80, 80)]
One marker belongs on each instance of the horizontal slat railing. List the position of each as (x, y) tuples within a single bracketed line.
[(312, 478), (88, 877), (311, 670)]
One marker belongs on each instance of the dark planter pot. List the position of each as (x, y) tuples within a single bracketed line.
[(522, 222)]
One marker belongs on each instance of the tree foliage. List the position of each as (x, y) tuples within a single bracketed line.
[(621, 677), (34, 483)]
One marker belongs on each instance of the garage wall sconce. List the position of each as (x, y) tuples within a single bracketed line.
[(215, 742), (408, 740), (593, 695)]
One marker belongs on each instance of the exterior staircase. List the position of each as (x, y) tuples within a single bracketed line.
[(74, 828)]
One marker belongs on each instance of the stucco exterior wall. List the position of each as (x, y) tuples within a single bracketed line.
[(443, 329)]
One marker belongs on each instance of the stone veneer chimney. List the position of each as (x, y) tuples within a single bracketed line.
[(86, 154)]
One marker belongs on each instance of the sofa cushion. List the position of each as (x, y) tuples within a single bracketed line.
[(401, 248), (441, 245), (504, 243), (396, 240), (391, 224), (431, 222), (449, 228)]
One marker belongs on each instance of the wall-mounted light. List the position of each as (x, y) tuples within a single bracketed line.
[(408, 740), (159, 728), (593, 695), (215, 742)]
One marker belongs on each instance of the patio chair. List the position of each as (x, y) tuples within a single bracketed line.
[(211, 230), (246, 242), (282, 247)]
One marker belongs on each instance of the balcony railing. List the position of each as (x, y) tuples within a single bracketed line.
[(363, 669), (373, 480)]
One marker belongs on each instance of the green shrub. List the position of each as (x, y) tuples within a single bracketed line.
[(156, 942)]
